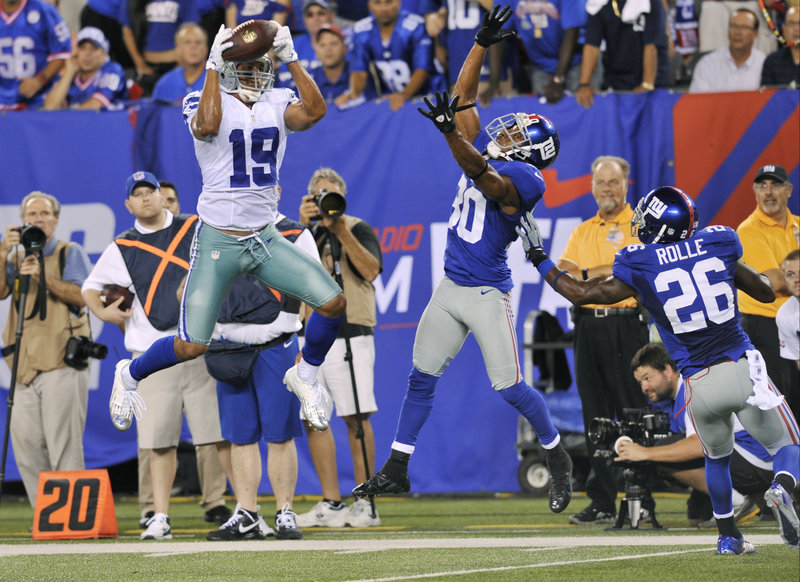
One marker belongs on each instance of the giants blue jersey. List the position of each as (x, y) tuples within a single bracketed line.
[(410, 48), (30, 37), (540, 25), (163, 17), (107, 85), (257, 10), (688, 288), (479, 232)]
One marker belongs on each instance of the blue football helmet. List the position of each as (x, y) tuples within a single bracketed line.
[(525, 137), (665, 215)]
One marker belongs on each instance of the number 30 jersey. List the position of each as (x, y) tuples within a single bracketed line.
[(479, 232), (688, 287), (240, 165)]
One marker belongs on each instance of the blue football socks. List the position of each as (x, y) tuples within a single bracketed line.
[(160, 355), (417, 406), (532, 406), (321, 332)]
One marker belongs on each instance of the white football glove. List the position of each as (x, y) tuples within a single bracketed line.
[(221, 42), (528, 230), (283, 45)]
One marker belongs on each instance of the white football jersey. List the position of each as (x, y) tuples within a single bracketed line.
[(240, 165)]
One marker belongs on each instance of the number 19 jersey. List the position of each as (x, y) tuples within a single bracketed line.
[(688, 288), (240, 165)]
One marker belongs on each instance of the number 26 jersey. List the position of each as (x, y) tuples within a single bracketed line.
[(688, 288)]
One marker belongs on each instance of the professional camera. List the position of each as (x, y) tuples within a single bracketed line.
[(32, 237), (330, 204), (79, 349), (643, 426)]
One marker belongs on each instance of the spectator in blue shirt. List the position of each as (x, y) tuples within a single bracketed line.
[(239, 11), (333, 73), (396, 43), (40, 41), (104, 14), (153, 53), (89, 80), (191, 48), (316, 13)]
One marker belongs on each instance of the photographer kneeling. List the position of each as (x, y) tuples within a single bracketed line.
[(51, 394), (682, 459)]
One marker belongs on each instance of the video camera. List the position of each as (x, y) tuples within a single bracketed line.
[(330, 204), (643, 426)]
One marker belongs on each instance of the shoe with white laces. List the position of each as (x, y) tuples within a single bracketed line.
[(360, 514), (731, 546), (323, 514), (780, 502), (124, 404), (157, 528), (311, 398), (241, 526), (286, 524)]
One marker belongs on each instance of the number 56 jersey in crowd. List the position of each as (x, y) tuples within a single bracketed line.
[(240, 165), (688, 287)]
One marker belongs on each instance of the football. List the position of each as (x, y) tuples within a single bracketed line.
[(111, 293), (251, 40)]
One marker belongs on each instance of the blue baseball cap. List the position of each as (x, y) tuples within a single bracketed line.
[(140, 178)]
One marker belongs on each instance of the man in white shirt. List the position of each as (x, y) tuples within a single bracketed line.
[(788, 317), (736, 67)]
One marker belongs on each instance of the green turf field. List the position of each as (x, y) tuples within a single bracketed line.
[(502, 537)]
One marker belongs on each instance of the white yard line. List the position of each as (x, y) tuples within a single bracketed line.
[(526, 566), (366, 545)]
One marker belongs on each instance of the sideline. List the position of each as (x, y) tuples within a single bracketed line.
[(370, 545)]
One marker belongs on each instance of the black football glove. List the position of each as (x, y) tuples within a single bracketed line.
[(443, 113), (491, 31)]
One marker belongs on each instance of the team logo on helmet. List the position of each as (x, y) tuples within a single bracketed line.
[(665, 215), (525, 137)]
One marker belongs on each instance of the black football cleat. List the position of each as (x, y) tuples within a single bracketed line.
[(380, 483), (560, 467)]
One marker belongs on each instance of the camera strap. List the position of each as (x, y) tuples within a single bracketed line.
[(40, 305)]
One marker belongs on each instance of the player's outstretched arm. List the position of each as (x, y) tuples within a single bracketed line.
[(469, 76), (753, 283), (303, 114), (474, 165), (600, 291), (205, 124)]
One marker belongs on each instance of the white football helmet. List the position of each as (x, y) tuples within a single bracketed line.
[(249, 85)]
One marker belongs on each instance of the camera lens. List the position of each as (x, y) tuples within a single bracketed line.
[(32, 237), (331, 204), (98, 351)]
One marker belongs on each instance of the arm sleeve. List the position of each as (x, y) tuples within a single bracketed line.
[(655, 23), (595, 32)]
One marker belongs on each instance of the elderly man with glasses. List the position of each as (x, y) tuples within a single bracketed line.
[(768, 235)]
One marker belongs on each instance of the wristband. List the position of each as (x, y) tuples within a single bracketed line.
[(553, 284), (463, 107), (585, 273), (544, 266), (582, 85), (479, 174), (647, 86)]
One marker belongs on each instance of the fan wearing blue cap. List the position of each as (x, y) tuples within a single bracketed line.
[(89, 80)]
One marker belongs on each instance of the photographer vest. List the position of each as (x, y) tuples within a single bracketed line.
[(251, 301), (43, 342), (359, 292), (157, 263)]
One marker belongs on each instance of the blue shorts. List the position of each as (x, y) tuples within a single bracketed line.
[(262, 407)]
